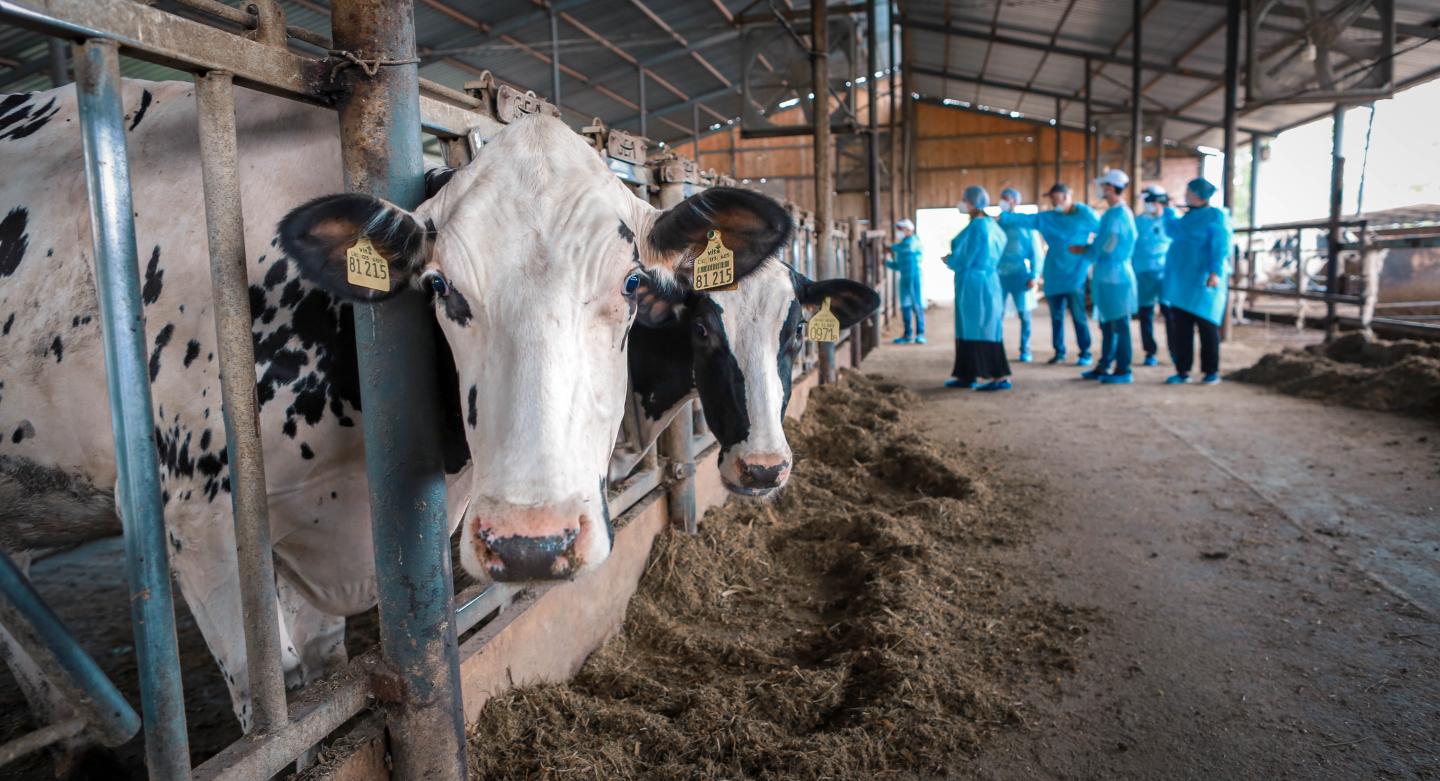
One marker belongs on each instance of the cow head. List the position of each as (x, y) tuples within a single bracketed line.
[(534, 256), (740, 346)]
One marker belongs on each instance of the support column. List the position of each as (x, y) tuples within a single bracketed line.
[(824, 174), (695, 134), (644, 114), (380, 149), (1059, 149), (554, 54), (1232, 97), (1337, 195), (59, 68), (1137, 132), (1089, 172), (137, 483)]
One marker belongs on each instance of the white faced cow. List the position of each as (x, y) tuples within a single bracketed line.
[(533, 254), (738, 349)]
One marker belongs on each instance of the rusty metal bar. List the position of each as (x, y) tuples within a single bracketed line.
[(243, 17), (34, 741), (675, 446), (59, 67), (644, 119), (1337, 197), (225, 228), (1137, 131), (824, 174), (270, 17), (122, 325), (380, 145)]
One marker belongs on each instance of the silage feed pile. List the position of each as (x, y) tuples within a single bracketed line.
[(1402, 376), (856, 627)]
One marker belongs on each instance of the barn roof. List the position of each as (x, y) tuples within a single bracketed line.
[(1017, 56)]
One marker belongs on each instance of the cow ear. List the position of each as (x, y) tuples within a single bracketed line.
[(657, 304), (850, 301), (318, 234), (751, 225)]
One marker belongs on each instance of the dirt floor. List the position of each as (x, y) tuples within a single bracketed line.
[(857, 627), (1266, 569)]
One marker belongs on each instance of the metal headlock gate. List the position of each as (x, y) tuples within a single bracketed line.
[(384, 109)]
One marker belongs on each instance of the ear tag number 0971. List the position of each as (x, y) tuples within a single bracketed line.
[(366, 267), (715, 268), (823, 327)]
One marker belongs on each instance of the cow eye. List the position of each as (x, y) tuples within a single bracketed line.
[(700, 330), (632, 283), (437, 282)]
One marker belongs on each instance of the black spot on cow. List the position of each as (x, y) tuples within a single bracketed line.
[(292, 294), (161, 339), (626, 233), (145, 98), (9, 321), (174, 541), (58, 348), (277, 274), (154, 278), (289, 427), (205, 440), (13, 240), (79, 320), (471, 417), (20, 119), (192, 351), (25, 429), (437, 178), (317, 325), (457, 308), (305, 452)]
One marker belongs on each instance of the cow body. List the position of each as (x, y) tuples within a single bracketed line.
[(531, 254)]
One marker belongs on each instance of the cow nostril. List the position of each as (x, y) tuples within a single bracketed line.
[(764, 474), (529, 558)]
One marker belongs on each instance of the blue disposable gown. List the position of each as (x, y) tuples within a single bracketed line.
[(979, 302), (1063, 272), (1151, 244), (1018, 264), (1114, 282), (906, 261), (1200, 247)]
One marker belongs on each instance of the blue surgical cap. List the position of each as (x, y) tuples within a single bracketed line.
[(976, 196), (1202, 188), (1011, 193)]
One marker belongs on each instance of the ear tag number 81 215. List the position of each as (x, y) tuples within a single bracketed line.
[(715, 268), (366, 267), (823, 327)]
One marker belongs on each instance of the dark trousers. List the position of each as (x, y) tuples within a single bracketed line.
[(1115, 346), (1075, 302), (1147, 327), (918, 314), (1181, 327)]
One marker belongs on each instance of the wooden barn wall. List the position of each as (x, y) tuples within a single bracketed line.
[(957, 148)]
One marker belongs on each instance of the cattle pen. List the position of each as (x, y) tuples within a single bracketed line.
[(838, 121)]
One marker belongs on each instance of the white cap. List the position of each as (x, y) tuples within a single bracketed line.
[(1154, 189), (905, 224), (1114, 177)]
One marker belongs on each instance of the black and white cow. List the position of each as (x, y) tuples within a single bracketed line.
[(737, 348), (533, 256)]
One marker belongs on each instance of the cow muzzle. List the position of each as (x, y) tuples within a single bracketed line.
[(754, 474), (533, 543)]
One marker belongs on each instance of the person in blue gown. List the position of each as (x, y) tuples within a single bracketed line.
[(1152, 243), (1197, 282), (1019, 266), (979, 301), (1114, 281), (905, 261), (1063, 275)]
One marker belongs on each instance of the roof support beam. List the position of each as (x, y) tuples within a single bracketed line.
[(1066, 51)]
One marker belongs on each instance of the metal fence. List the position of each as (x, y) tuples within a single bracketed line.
[(421, 616)]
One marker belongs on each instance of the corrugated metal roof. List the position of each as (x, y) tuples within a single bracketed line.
[(511, 38)]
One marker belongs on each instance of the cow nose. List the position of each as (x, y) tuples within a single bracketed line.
[(762, 471), (529, 543)]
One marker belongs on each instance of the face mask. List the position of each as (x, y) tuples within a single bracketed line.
[(1006, 206), (1152, 208)]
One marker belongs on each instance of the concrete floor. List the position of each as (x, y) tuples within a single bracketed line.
[(1266, 569)]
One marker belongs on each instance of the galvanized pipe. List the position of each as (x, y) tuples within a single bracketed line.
[(59, 68), (380, 147), (1337, 197), (271, 29), (644, 114), (554, 53), (66, 666), (1058, 141), (675, 446), (31, 742), (225, 229), (122, 325), (1090, 151), (824, 174), (1232, 118)]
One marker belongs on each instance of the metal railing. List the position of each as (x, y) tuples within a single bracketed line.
[(421, 615)]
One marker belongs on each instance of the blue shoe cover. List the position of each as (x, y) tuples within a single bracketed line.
[(1177, 379), (902, 340), (1210, 379), (920, 339), (954, 383), (997, 385), (1150, 361), (1117, 379), (1085, 360), (1093, 374), (1025, 357)]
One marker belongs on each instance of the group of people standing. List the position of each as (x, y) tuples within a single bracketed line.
[(1132, 264)]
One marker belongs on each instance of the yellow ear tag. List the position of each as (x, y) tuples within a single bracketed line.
[(715, 268), (823, 327), (366, 267)]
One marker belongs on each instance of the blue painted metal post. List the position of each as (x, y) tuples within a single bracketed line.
[(122, 321), (105, 709), (380, 141)]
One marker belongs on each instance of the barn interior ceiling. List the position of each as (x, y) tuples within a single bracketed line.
[(1025, 58)]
